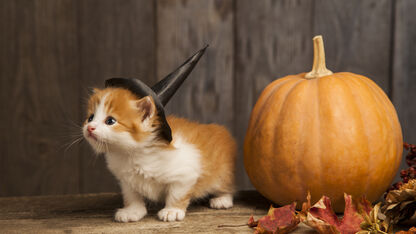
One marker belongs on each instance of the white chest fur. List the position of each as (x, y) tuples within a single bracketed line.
[(151, 171)]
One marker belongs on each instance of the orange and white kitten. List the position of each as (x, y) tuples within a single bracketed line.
[(199, 161)]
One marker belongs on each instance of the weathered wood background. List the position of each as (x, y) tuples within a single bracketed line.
[(51, 51)]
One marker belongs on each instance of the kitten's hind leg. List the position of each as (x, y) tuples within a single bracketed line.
[(223, 201)]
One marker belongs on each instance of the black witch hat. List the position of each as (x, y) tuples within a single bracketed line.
[(162, 91)]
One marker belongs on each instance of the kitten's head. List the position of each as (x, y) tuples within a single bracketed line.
[(117, 119)]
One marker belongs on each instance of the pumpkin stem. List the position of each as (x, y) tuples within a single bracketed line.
[(319, 67)]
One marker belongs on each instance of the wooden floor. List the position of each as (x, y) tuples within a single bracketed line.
[(93, 213)]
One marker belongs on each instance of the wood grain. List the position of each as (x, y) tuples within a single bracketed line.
[(183, 27), (117, 39), (273, 39), (93, 213), (38, 71), (357, 37), (404, 69)]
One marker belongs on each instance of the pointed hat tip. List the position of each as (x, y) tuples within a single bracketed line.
[(205, 47), (166, 87), (200, 52)]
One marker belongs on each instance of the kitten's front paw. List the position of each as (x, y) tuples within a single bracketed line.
[(130, 214), (171, 214), (221, 202)]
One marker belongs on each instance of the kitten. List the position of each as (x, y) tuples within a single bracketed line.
[(199, 161)]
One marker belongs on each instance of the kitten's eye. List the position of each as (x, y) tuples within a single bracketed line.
[(91, 118), (110, 120)]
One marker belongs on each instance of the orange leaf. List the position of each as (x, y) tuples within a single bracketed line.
[(305, 208), (411, 231)]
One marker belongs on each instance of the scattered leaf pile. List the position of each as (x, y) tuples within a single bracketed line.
[(400, 204), (358, 216), (400, 199)]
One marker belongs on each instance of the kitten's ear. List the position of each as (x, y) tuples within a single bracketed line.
[(146, 106)]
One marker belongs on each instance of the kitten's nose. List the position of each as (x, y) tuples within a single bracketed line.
[(90, 129)]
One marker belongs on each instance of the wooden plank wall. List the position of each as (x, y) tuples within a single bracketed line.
[(116, 39), (403, 84), (52, 51), (38, 71)]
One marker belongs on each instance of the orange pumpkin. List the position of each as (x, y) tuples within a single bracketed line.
[(323, 132)]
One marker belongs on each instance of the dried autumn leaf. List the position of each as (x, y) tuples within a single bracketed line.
[(305, 208), (410, 231), (278, 220), (400, 204), (322, 218), (373, 224), (364, 205), (251, 222)]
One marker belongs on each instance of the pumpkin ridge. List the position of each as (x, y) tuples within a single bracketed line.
[(375, 93), (291, 84), (264, 116), (354, 96), (266, 101), (299, 171), (312, 87), (337, 159), (381, 97), (254, 126), (318, 110), (281, 106), (279, 121), (273, 96), (322, 89)]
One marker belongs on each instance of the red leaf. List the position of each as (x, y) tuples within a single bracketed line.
[(251, 222), (322, 218), (365, 205), (278, 220)]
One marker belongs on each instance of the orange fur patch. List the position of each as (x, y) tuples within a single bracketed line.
[(218, 150)]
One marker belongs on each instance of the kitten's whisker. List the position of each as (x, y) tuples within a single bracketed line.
[(79, 139), (69, 143), (74, 124)]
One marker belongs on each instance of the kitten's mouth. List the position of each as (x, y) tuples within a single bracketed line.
[(91, 135)]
